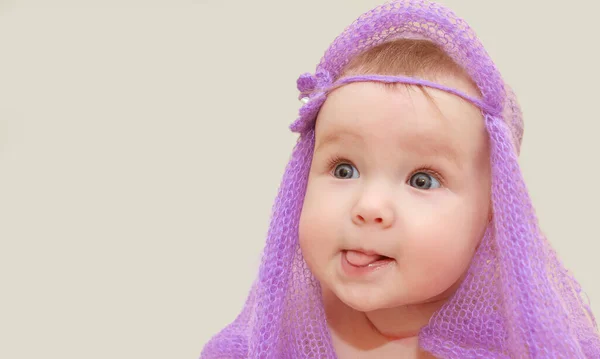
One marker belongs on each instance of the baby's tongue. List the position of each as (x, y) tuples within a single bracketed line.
[(360, 259)]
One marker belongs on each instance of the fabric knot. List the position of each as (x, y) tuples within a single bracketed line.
[(307, 83)]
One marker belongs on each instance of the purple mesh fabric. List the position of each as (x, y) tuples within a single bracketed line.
[(517, 300)]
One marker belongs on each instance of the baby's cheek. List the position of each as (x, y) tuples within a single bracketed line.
[(313, 237), (438, 260)]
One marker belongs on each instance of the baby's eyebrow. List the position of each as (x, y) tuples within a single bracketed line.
[(336, 136), (434, 146), (422, 144)]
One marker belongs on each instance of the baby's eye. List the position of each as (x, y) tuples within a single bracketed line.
[(422, 180), (345, 171)]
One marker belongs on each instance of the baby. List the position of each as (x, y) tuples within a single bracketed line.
[(403, 227), (398, 198)]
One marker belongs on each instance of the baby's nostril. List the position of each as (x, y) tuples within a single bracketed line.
[(378, 220)]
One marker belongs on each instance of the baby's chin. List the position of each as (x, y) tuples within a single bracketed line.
[(372, 298), (365, 300)]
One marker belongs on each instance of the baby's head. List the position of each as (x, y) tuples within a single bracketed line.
[(398, 194)]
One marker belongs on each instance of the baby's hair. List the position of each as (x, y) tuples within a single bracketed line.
[(406, 57), (409, 57)]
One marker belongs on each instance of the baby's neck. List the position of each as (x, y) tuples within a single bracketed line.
[(378, 334)]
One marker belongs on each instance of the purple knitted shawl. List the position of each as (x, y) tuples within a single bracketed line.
[(528, 305)]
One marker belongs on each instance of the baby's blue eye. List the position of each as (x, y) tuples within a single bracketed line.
[(422, 180), (345, 171)]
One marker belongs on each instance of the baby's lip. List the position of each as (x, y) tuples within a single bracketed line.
[(367, 252), (364, 258)]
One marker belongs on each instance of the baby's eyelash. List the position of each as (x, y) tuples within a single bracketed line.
[(336, 160), (429, 169)]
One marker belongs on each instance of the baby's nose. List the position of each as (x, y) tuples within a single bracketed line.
[(383, 217)]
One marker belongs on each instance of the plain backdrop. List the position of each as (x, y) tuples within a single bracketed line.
[(142, 144)]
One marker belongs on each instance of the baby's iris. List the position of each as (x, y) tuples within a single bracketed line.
[(422, 180), (345, 171)]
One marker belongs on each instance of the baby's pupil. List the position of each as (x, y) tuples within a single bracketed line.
[(422, 181), (344, 171)]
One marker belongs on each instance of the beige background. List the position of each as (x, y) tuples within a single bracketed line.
[(142, 144)]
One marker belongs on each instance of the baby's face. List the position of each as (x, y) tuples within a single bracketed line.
[(393, 175)]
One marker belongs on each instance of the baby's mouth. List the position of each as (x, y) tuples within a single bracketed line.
[(362, 259)]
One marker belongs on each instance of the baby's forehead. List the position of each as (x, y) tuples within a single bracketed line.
[(371, 115), (430, 143), (408, 109), (369, 106)]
